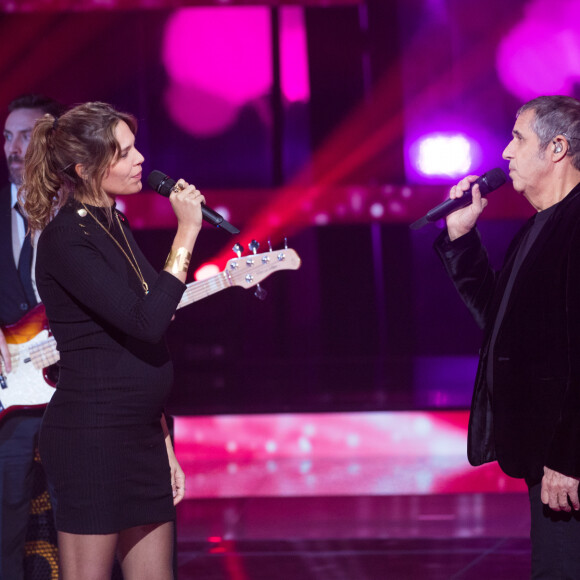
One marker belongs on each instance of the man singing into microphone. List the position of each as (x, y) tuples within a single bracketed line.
[(525, 410)]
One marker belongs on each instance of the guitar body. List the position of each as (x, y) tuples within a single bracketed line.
[(27, 327), (32, 350)]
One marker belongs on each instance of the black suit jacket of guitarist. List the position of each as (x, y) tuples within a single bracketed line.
[(13, 302), (532, 418)]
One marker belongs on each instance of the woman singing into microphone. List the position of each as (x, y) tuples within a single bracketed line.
[(104, 441)]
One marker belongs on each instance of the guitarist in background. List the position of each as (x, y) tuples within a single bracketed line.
[(18, 432)]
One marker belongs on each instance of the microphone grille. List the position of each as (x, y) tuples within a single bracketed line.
[(492, 180), (160, 182)]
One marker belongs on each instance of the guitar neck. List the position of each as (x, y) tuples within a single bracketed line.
[(244, 271), (44, 354), (41, 352), (201, 289)]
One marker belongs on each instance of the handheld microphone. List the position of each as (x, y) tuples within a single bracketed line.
[(163, 184), (487, 182)]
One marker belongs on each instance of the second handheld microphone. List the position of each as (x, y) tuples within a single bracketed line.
[(487, 182)]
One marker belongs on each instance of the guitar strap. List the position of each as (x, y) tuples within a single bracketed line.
[(25, 262)]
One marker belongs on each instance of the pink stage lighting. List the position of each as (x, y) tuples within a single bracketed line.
[(525, 58), (324, 454), (218, 60), (294, 55), (206, 271), (443, 155)]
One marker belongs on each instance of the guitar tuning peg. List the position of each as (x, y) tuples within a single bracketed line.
[(285, 243), (253, 246), (237, 249), (260, 293), (270, 245)]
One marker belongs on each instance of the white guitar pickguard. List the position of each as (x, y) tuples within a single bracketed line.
[(26, 385)]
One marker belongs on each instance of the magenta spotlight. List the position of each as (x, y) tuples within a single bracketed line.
[(524, 56), (218, 60)]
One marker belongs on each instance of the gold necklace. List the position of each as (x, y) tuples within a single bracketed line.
[(134, 263)]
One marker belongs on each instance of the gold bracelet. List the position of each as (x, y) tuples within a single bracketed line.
[(178, 260)]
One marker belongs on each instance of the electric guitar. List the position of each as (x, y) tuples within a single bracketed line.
[(33, 349)]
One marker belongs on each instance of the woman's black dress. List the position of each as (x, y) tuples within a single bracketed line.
[(101, 440)]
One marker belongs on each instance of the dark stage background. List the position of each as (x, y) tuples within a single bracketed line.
[(316, 147)]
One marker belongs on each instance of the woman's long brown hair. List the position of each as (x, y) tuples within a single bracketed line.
[(68, 158)]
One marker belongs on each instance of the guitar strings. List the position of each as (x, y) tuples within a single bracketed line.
[(198, 290)]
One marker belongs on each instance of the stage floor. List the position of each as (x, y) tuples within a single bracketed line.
[(344, 496), (451, 536)]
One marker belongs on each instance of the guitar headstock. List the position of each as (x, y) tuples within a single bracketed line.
[(250, 270)]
